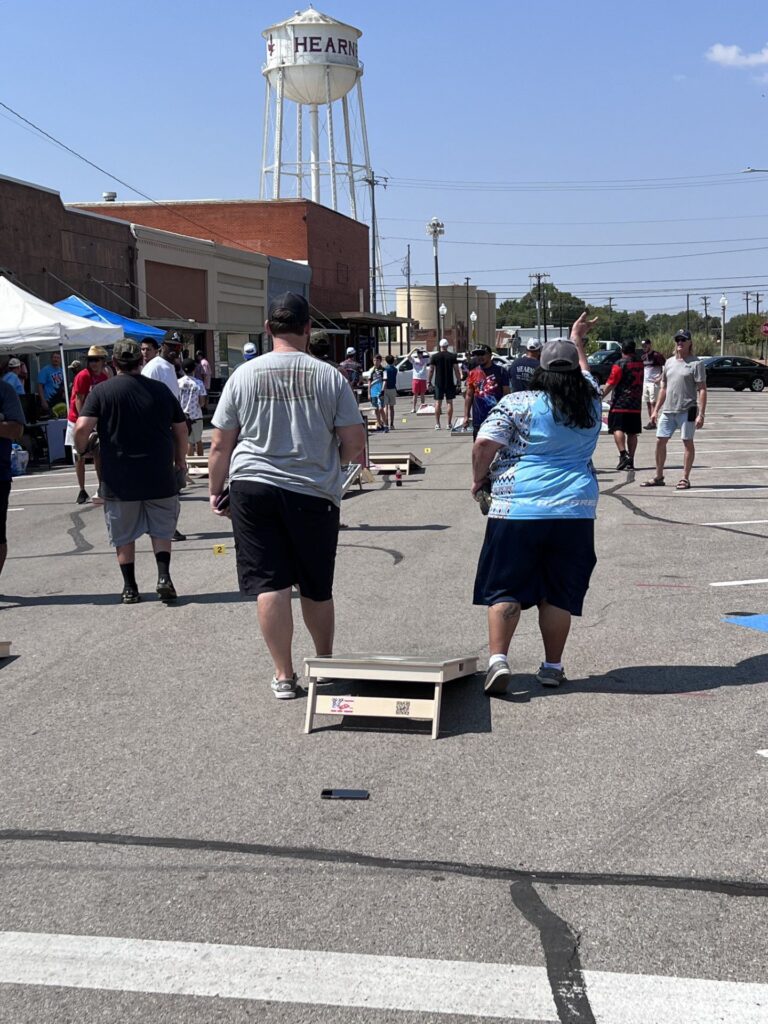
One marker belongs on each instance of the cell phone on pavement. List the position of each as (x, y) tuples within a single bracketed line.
[(344, 794)]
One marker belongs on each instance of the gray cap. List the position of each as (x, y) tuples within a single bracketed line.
[(533, 344), (559, 355), (128, 350)]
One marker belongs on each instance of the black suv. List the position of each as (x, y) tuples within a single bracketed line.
[(735, 372), (601, 363)]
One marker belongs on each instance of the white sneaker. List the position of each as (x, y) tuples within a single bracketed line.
[(438, 427), (284, 689)]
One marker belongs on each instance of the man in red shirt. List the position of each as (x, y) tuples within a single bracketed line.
[(624, 420), (86, 379)]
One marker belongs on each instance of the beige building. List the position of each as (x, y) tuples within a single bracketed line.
[(456, 298)]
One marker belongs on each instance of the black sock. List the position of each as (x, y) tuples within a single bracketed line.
[(163, 559), (127, 570)]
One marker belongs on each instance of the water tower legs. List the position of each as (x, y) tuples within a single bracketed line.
[(331, 145), (350, 170), (278, 138), (299, 153), (314, 153), (265, 142)]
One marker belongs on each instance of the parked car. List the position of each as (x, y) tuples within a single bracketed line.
[(735, 372), (601, 363)]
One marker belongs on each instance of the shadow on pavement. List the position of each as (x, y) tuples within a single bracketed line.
[(649, 680), (147, 597)]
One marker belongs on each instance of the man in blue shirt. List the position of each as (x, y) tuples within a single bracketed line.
[(50, 383), (390, 390), (11, 429), (523, 369), (13, 376)]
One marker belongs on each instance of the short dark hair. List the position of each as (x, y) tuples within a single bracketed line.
[(628, 347), (151, 341), (189, 365), (288, 314), (390, 360)]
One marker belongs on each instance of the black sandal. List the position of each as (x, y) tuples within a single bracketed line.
[(657, 481)]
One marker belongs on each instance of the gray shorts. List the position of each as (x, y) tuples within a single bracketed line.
[(390, 397), (196, 433), (128, 520)]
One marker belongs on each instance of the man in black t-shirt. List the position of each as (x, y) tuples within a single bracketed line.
[(142, 435), (624, 420), (444, 371)]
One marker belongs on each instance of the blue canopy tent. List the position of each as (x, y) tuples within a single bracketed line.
[(131, 328)]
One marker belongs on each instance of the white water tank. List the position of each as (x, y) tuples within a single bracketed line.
[(315, 53)]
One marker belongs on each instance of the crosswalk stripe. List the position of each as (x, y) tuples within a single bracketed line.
[(315, 977)]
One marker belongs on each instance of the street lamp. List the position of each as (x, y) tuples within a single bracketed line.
[(442, 311), (473, 318), (435, 228), (723, 307)]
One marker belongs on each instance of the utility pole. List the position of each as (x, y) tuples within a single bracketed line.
[(746, 322), (372, 182), (610, 316), (538, 277), (435, 228), (466, 322), (705, 300), (757, 313), (687, 312), (408, 293)]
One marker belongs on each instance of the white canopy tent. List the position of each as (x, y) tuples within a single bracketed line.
[(28, 324)]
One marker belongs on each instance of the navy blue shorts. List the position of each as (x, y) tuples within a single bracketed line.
[(533, 560)]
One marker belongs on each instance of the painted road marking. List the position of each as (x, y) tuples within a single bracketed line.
[(737, 583), (763, 753), (738, 522), (758, 622), (57, 487), (360, 980)]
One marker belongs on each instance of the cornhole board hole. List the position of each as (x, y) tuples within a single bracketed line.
[(353, 474), (390, 462), (378, 670)]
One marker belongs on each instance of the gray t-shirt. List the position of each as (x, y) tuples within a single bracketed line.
[(287, 406), (680, 377)]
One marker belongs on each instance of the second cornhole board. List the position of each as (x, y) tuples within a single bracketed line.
[(378, 670), (353, 474), (198, 461), (457, 429), (390, 462)]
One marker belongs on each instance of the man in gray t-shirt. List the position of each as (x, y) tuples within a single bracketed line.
[(284, 425), (683, 397)]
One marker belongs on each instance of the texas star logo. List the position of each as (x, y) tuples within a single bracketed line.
[(270, 45)]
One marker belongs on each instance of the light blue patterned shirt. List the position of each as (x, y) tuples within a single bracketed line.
[(544, 470)]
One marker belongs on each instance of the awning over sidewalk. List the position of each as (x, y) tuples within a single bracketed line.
[(131, 328)]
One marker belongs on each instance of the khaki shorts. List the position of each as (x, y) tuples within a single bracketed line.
[(390, 397), (650, 391), (196, 432)]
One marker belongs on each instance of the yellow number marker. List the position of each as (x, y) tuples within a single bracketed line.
[(427, 451), (405, 420), (219, 549)]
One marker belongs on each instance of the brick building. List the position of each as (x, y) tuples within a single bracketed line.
[(53, 251), (335, 246)]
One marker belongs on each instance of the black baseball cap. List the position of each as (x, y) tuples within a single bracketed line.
[(289, 308), (173, 338), (481, 350), (683, 336)]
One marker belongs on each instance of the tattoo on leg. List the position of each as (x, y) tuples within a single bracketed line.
[(511, 611)]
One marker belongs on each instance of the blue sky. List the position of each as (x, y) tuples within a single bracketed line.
[(169, 97)]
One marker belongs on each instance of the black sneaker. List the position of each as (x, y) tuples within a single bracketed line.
[(497, 678), (165, 589), (179, 536), (130, 594), (82, 497), (623, 461)]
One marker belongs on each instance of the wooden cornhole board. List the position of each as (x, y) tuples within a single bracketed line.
[(390, 462), (198, 461), (457, 430), (353, 474), (378, 670)]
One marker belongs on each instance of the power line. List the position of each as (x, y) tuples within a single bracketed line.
[(585, 245), (585, 223)]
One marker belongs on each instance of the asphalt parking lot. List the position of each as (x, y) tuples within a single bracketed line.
[(596, 853)]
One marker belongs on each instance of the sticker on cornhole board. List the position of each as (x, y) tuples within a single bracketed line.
[(342, 706), (758, 622), (219, 549)]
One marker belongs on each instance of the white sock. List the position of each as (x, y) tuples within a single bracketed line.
[(494, 658), (554, 664)]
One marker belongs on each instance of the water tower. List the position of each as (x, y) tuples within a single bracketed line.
[(312, 62)]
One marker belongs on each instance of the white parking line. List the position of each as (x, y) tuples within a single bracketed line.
[(56, 487), (763, 753), (738, 522), (359, 980), (737, 583)]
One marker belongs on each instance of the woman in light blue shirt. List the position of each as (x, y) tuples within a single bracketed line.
[(535, 449)]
